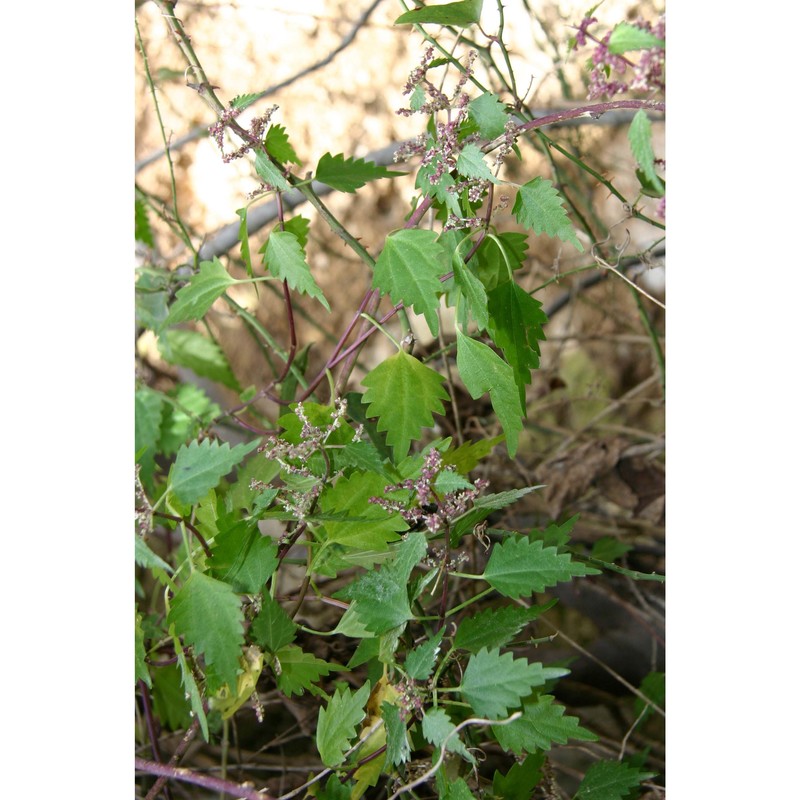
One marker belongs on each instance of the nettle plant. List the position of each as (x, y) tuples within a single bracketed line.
[(347, 499)]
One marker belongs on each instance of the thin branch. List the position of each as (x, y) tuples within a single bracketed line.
[(244, 790), (201, 131)]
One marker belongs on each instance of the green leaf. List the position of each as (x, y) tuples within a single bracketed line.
[(452, 790), (493, 628), (653, 687), (272, 628), (151, 298), (190, 409), (498, 256), (269, 173), (142, 672), (555, 535), (169, 698), (518, 568), (470, 164), (493, 697), (539, 207), (208, 614), (404, 394), (337, 723), (482, 370), (437, 727), (398, 750), (610, 780), (409, 268), (299, 226), (449, 480), (515, 325), (298, 671), (466, 457), (374, 528), (278, 146), (194, 299), (284, 258), (199, 354), (640, 135), (363, 455), (473, 291), (200, 467), (420, 661), (542, 724), (350, 174), (609, 549), (142, 229), (482, 507), (243, 100), (461, 14), (148, 407), (490, 114), (244, 240), (241, 556), (520, 781), (145, 557), (626, 37), (382, 595), (192, 693)]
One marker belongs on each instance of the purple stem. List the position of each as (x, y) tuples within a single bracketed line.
[(247, 791)]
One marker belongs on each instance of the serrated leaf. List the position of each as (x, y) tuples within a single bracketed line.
[(244, 240), (284, 258), (420, 661), (437, 727), (449, 480), (299, 226), (242, 557), (142, 229), (363, 455), (626, 37), (610, 780), (193, 300), (278, 146), (518, 568), (473, 291), (189, 410), (350, 174), (243, 100), (540, 208), (145, 557), (609, 549), (452, 790), (640, 135), (208, 614), (398, 750), (468, 455), (482, 507), (493, 683), (199, 354), (141, 671), (151, 298), (200, 467), (170, 704), (336, 727), (189, 684), (409, 268), (461, 14), (490, 115), (555, 535), (653, 686), (515, 325), (541, 725), (493, 628), (498, 256), (269, 173), (297, 671), (482, 370), (373, 528), (382, 595), (520, 781), (272, 628), (148, 408), (404, 394), (470, 164)]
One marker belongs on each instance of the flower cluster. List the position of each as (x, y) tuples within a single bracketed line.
[(294, 459), (609, 75), (430, 511), (255, 135)]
